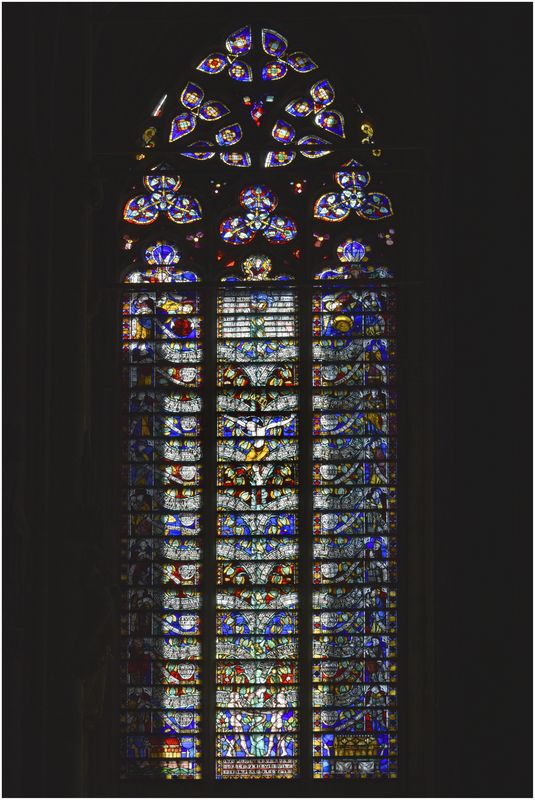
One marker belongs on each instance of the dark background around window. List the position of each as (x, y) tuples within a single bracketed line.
[(452, 81)]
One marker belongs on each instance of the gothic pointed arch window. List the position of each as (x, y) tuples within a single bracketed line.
[(259, 371)]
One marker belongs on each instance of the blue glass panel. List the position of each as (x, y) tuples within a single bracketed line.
[(354, 549), (161, 621)]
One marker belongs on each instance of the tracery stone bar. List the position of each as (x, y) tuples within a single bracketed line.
[(354, 599), (257, 546), (161, 622)]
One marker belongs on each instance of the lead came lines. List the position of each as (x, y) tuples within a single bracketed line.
[(161, 620), (353, 620), (257, 546)]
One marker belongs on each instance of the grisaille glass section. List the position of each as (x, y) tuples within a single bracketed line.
[(354, 522), (162, 476), (257, 623)]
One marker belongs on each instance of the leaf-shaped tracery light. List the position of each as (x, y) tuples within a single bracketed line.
[(352, 180), (284, 133), (163, 197), (238, 44), (276, 46), (317, 104), (259, 202), (321, 96), (202, 151), (192, 99)]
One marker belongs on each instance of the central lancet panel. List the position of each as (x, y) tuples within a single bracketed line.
[(257, 546)]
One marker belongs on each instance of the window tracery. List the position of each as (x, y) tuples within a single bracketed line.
[(265, 461)]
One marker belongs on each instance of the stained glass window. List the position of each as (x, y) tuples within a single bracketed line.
[(259, 621), (161, 625)]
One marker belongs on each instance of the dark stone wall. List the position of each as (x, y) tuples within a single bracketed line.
[(449, 81)]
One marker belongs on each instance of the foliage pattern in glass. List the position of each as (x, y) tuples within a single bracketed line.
[(257, 622), (354, 521), (161, 600)]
